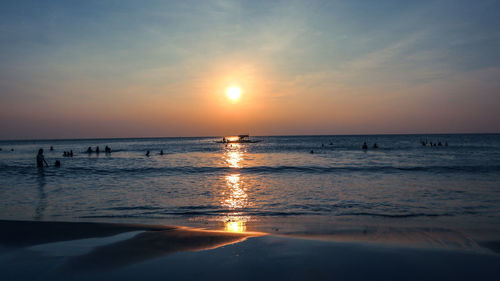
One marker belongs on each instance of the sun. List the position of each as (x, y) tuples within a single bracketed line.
[(233, 93)]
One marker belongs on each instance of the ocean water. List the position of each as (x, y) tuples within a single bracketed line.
[(270, 185)]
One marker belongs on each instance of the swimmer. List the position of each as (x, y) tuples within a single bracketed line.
[(365, 146), (40, 159)]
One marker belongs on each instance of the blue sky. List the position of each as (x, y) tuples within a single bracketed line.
[(160, 68)]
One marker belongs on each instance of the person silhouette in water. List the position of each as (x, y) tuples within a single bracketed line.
[(40, 159)]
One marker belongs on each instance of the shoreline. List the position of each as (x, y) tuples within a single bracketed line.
[(121, 251), (25, 233)]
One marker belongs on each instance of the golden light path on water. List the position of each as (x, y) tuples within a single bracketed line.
[(234, 196)]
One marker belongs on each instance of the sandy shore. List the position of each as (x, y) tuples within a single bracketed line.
[(105, 251)]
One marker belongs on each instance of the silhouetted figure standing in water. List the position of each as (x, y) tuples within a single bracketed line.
[(40, 159), (161, 152), (89, 150), (57, 164), (107, 149), (375, 145), (312, 152), (51, 148), (365, 146), (97, 150), (71, 153), (147, 153)]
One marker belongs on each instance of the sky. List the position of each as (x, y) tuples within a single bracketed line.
[(99, 69)]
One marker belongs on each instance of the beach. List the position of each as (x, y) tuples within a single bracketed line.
[(249, 140), (99, 251), (269, 210)]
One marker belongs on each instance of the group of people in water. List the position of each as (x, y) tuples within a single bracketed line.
[(148, 153), (431, 144), (365, 146), (97, 150), (41, 162)]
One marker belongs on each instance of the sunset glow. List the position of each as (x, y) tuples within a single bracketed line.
[(249, 139), (307, 68), (233, 93)]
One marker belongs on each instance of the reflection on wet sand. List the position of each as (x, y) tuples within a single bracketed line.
[(149, 245), (420, 237), (236, 223), (151, 242)]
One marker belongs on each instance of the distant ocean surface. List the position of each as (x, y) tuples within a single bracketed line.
[(277, 182)]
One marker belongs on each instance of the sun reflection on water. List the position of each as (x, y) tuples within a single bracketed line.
[(235, 197), (234, 156)]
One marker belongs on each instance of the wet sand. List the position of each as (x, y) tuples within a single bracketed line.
[(104, 251)]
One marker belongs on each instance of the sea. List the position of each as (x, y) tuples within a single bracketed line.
[(281, 184)]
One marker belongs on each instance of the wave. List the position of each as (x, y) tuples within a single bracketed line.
[(223, 213), (197, 214), (210, 210), (410, 215), (257, 169)]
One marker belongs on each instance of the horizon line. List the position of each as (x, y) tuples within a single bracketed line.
[(291, 135)]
